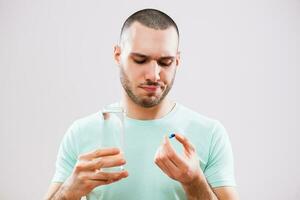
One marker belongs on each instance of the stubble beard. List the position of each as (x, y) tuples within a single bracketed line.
[(150, 100)]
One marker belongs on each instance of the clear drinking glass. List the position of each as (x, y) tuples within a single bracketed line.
[(113, 131)]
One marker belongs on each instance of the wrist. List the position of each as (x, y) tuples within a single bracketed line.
[(191, 189), (65, 193), (198, 189)]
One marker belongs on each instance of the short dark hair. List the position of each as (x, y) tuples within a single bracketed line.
[(151, 18)]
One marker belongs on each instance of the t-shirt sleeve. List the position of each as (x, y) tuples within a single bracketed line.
[(67, 156), (219, 170)]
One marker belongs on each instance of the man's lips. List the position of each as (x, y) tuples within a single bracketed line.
[(150, 88)]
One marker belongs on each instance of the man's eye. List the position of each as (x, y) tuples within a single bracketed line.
[(139, 61), (165, 63)]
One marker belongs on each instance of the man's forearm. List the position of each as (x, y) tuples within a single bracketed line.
[(62, 194), (199, 190)]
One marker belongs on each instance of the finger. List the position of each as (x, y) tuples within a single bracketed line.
[(96, 183), (172, 155), (169, 155), (99, 153), (103, 162), (99, 175), (169, 168), (97, 179), (165, 164), (110, 161), (106, 115), (158, 161), (185, 142), (162, 167)]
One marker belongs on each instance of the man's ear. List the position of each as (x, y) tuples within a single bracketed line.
[(177, 58), (117, 54)]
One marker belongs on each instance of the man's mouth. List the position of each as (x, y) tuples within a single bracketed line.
[(150, 88)]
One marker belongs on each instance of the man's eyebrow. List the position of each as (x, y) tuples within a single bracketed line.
[(167, 57), (138, 55), (145, 56)]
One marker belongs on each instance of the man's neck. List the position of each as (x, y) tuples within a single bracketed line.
[(135, 111)]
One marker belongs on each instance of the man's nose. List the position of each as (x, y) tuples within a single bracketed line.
[(153, 71)]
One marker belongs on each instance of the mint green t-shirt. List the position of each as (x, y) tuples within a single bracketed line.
[(142, 138)]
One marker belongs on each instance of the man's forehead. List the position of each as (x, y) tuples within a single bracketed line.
[(144, 40)]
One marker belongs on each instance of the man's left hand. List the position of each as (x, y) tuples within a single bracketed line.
[(183, 168)]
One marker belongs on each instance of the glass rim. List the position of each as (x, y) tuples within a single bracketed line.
[(114, 109)]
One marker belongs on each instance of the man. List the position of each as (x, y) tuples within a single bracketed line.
[(148, 58)]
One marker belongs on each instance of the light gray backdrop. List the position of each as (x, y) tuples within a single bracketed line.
[(240, 65)]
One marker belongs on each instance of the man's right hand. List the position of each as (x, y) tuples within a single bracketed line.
[(87, 172)]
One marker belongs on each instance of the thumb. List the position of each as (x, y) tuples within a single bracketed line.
[(185, 142)]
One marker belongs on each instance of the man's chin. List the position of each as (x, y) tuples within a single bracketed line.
[(149, 102)]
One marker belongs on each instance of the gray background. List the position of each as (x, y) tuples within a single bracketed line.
[(240, 65)]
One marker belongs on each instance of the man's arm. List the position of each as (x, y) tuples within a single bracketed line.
[(202, 190), (57, 191), (53, 188), (199, 189), (226, 193)]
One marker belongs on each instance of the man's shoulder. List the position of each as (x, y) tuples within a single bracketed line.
[(84, 128)]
